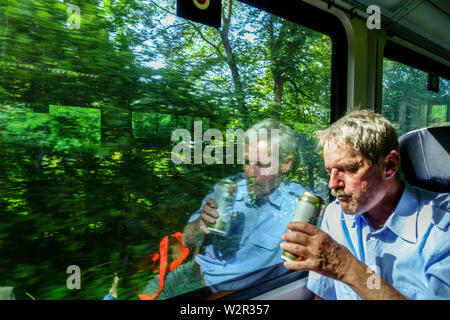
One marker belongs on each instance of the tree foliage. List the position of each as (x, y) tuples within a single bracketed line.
[(407, 101)]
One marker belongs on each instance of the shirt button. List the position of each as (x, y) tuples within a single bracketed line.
[(372, 238)]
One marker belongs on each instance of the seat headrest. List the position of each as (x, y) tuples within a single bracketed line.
[(425, 156)]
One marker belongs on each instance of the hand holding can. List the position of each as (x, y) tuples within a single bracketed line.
[(309, 209), (209, 214), (225, 196)]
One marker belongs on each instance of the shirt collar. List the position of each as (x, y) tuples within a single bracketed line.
[(403, 221), (274, 198)]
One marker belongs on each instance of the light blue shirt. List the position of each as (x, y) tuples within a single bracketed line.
[(411, 251), (254, 237)]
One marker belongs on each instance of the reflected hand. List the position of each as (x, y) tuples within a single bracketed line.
[(319, 252), (208, 214)]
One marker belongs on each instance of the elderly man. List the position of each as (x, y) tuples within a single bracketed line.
[(378, 222), (265, 203)]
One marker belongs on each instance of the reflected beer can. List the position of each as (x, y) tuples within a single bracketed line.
[(309, 209), (224, 195)]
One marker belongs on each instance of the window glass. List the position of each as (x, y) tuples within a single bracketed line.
[(408, 103), (113, 133)]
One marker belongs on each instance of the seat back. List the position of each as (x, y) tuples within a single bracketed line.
[(425, 155)]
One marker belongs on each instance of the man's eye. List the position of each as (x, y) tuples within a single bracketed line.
[(350, 170)]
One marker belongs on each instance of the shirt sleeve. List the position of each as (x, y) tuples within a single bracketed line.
[(438, 287), (321, 286), (438, 270)]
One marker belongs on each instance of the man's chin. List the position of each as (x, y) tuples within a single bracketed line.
[(256, 193), (349, 209), (350, 213)]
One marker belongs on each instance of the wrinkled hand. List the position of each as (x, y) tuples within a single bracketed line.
[(319, 252), (208, 214)]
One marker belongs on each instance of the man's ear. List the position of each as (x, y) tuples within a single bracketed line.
[(287, 164), (391, 164)]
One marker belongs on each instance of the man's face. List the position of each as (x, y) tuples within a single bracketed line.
[(257, 183), (356, 184)]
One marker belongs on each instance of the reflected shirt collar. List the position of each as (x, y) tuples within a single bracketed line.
[(274, 198)]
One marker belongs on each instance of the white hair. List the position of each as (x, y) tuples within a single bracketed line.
[(287, 138), (366, 132)]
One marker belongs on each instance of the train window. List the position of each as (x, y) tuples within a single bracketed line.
[(92, 99), (407, 101)]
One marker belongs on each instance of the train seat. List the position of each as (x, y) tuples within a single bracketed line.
[(425, 155)]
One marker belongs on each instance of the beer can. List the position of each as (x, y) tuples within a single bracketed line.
[(225, 195), (310, 208)]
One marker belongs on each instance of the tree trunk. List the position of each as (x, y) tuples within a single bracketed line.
[(231, 61), (278, 84)]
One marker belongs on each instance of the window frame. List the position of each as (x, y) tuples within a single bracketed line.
[(413, 59), (324, 22)]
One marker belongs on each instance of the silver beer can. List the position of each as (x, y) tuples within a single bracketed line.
[(225, 195), (310, 208)]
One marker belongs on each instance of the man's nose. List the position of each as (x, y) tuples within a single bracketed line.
[(335, 180)]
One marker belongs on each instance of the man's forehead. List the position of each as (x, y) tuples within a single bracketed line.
[(258, 150), (256, 145), (340, 154)]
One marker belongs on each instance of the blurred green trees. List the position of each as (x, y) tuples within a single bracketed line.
[(86, 117), (408, 103)]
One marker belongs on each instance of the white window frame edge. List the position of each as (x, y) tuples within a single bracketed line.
[(297, 289), (351, 46)]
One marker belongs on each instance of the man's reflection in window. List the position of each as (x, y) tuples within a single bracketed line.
[(265, 203)]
